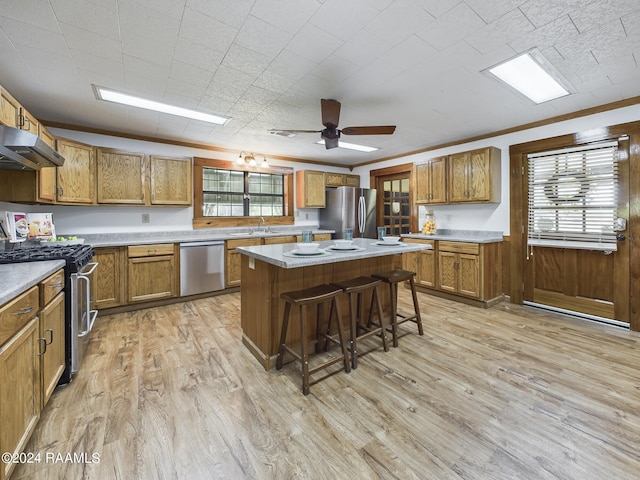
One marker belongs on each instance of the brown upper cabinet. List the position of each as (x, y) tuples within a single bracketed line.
[(466, 177), (310, 189), (76, 178), (431, 181), (341, 180), (475, 176), (121, 177), (170, 180)]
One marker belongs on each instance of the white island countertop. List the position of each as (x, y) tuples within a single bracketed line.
[(284, 256)]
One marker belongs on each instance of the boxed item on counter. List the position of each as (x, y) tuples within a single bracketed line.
[(19, 226)]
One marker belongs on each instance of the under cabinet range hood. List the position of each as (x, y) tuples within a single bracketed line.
[(22, 150)]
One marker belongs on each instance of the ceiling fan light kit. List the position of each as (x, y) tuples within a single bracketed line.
[(331, 134)]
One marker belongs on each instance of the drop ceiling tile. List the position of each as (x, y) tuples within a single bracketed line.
[(399, 21), (33, 12), (289, 64), (191, 74), (451, 27), (541, 12), (262, 37), (593, 14), (170, 8), (113, 80), (230, 80), (553, 33), (21, 33), (273, 82), (245, 60), (146, 22), (141, 68), (44, 60), (88, 62), (506, 28), (152, 88), (231, 12), (490, 11), (260, 96), (183, 94), (146, 48), (286, 15), (363, 48), (437, 8), (85, 41), (199, 28), (87, 15), (198, 55), (353, 16), (335, 69), (314, 44)]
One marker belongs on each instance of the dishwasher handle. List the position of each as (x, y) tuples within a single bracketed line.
[(202, 244)]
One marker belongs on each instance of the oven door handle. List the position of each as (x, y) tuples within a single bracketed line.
[(91, 267), (90, 315)]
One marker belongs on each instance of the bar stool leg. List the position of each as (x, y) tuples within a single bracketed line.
[(416, 307), (383, 327), (304, 354), (393, 291), (283, 334), (341, 335)]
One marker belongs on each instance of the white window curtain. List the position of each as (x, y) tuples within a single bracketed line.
[(573, 197)]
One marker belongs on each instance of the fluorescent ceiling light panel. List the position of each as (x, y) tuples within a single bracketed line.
[(352, 146), (117, 97), (526, 74)]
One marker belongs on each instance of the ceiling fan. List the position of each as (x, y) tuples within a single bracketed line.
[(330, 116)]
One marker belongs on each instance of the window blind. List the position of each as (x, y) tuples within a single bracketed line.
[(573, 197)]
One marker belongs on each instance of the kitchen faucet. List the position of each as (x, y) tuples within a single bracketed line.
[(261, 221)]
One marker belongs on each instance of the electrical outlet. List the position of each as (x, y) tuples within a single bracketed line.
[(145, 218), (306, 216)]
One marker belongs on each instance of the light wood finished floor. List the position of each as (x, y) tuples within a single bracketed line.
[(505, 393)]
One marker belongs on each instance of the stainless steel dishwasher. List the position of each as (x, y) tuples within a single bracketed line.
[(201, 267)]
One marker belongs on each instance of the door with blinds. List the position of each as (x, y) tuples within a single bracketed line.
[(577, 255)]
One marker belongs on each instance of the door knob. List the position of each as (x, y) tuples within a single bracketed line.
[(620, 237)]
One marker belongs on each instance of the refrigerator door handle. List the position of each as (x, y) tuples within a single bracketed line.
[(362, 212)]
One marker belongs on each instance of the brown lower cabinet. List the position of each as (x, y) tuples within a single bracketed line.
[(151, 273), (32, 344), (463, 270)]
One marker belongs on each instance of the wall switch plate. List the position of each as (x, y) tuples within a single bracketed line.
[(145, 218)]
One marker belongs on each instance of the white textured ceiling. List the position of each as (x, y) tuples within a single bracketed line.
[(267, 63)]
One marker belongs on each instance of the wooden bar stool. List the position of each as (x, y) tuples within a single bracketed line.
[(355, 288), (393, 278), (310, 297)]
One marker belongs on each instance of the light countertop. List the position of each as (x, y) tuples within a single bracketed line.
[(199, 235), (281, 255), (473, 236), (16, 278)]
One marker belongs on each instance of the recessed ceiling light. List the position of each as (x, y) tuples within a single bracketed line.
[(352, 146), (118, 97), (533, 76)]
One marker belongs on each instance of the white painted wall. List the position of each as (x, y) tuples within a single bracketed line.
[(83, 219), (496, 217)]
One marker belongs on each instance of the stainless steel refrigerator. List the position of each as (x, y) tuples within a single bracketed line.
[(350, 207)]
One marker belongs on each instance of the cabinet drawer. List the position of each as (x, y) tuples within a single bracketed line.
[(50, 287), (421, 241), (150, 250), (15, 314), (243, 242), (459, 247), (281, 239)]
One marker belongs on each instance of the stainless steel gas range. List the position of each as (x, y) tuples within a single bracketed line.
[(79, 318)]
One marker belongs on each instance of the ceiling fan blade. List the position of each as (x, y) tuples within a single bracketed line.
[(274, 130), (330, 112), (373, 130)]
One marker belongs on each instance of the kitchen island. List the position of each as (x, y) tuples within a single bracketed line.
[(269, 270)]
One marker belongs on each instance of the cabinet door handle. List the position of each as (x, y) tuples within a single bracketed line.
[(50, 332), (24, 310), (44, 342), (55, 285)]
